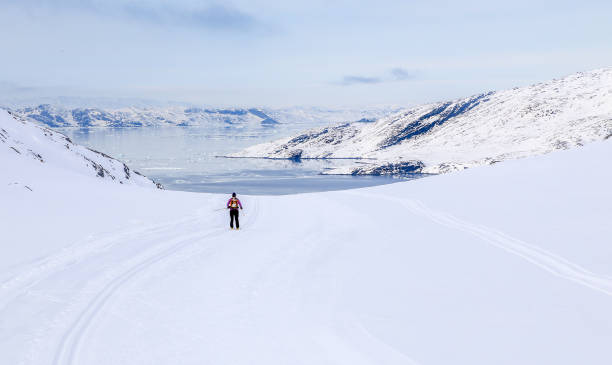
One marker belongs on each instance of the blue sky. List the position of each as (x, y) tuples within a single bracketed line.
[(271, 53)]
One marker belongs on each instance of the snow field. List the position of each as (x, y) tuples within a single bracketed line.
[(506, 264)]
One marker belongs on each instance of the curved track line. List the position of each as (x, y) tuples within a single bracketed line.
[(72, 339), (40, 269), (546, 260), (82, 249)]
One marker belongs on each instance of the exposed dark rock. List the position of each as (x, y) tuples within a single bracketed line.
[(36, 156), (100, 153), (126, 169), (308, 136), (296, 156), (396, 169), (100, 170), (561, 145), (435, 117)]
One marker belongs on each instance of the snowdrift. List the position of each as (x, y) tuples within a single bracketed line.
[(453, 135), (508, 264)]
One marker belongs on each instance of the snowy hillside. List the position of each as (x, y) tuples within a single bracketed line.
[(24, 143), (481, 129), (508, 264), (233, 118)]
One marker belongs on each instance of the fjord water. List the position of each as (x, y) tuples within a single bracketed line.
[(186, 158)]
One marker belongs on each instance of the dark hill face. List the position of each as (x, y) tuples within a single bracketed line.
[(438, 116)]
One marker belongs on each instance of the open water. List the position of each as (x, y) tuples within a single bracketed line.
[(185, 158)]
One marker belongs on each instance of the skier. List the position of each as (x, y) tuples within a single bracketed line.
[(232, 204)]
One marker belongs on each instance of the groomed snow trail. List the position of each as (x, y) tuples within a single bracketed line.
[(31, 273), (69, 346), (117, 258)]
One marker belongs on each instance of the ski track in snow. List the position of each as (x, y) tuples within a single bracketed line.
[(88, 304), (90, 299), (546, 260), (67, 352), (33, 272), (72, 339)]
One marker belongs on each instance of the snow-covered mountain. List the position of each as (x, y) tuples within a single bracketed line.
[(23, 142), (481, 129), (55, 116)]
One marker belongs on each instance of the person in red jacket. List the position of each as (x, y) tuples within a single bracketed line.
[(232, 204)]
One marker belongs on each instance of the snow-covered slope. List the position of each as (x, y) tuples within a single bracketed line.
[(24, 143), (481, 129), (507, 264), (232, 118)]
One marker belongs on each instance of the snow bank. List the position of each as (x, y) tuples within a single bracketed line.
[(508, 264)]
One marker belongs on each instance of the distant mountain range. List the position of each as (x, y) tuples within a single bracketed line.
[(23, 143), (453, 135), (60, 117)]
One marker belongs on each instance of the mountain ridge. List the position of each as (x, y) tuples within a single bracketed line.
[(238, 117), (452, 135)]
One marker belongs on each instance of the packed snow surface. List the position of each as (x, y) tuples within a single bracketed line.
[(507, 264), (453, 135)]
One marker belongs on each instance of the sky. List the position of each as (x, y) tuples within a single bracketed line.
[(284, 53)]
